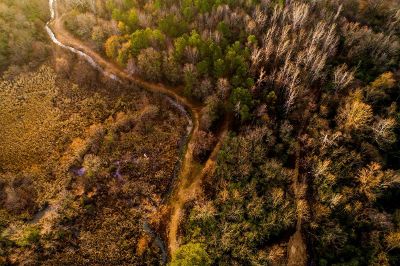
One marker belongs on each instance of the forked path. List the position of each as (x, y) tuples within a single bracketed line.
[(190, 177), (189, 186)]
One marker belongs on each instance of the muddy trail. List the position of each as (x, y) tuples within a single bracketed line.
[(188, 184)]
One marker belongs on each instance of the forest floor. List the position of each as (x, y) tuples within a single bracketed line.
[(191, 176)]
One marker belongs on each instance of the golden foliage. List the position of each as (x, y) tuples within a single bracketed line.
[(302, 209), (381, 260), (355, 115), (277, 255), (112, 45), (373, 180), (384, 81), (393, 240)]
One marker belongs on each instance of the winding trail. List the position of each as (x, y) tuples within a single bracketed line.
[(190, 177)]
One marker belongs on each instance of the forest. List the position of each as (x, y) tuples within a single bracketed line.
[(200, 132)]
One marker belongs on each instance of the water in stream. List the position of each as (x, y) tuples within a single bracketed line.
[(52, 5)]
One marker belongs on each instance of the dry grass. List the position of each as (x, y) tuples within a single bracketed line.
[(50, 126)]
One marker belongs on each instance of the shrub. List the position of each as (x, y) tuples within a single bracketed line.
[(192, 254), (30, 236)]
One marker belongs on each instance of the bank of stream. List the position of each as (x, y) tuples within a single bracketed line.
[(185, 139)]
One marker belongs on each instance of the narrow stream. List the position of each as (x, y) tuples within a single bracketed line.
[(53, 11), (52, 4), (159, 242)]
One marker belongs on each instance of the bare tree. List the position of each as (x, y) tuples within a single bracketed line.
[(384, 131), (295, 49), (342, 77)]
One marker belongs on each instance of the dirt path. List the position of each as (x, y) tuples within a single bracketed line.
[(297, 251), (190, 177), (297, 248), (174, 92), (190, 186)]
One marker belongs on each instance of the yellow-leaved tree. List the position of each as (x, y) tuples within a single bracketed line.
[(355, 114)]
